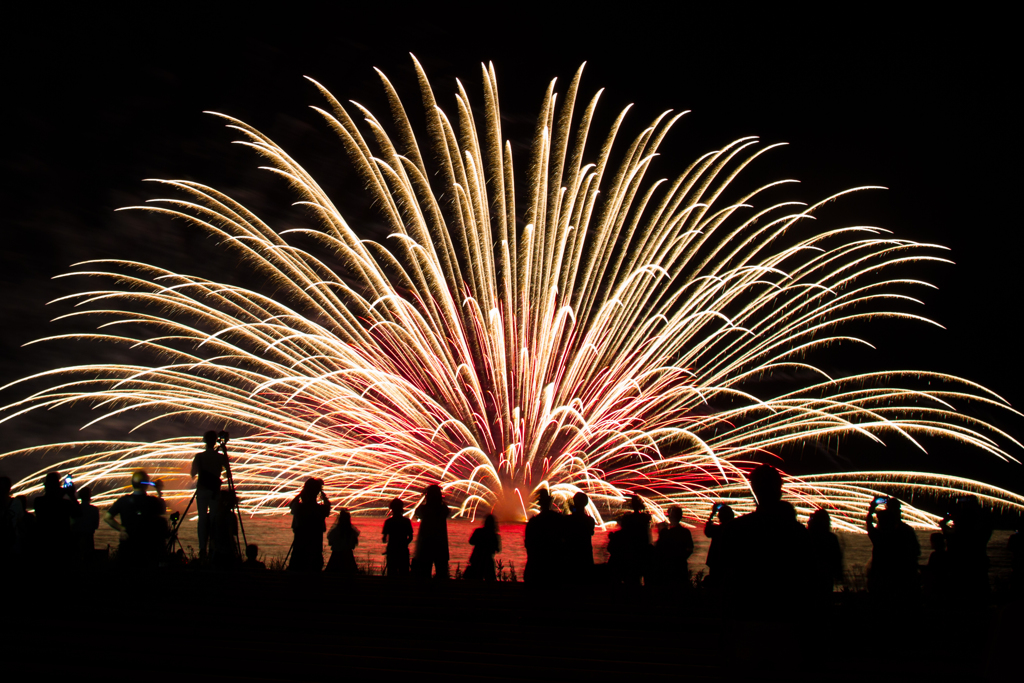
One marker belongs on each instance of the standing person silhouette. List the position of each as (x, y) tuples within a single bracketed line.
[(8, 526), (485, 542), (543, 539), (719, 560), (54, 511), (631, 550), (767, 547), (397, 534), (142, 527), (310, 510), (343, 538), (432, 541), (894, 553), (967, 543), (579, 543), (207, 465), (672, 552), (825, 554), (83, 526)]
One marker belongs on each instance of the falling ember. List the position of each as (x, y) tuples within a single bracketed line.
[(614, 341)]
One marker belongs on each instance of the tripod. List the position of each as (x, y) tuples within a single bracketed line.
[(222, 443)]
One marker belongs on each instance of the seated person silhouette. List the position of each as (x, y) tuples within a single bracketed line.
[(252, 552)]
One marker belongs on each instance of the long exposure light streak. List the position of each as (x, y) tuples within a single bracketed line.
[(576, 328)]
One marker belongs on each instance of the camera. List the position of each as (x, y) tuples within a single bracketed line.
[(68, 482), (718, 507), (880, 500)]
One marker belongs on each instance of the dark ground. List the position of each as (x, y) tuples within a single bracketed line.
[(276, 626)]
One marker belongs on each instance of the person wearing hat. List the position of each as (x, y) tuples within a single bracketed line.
[(142, 526)]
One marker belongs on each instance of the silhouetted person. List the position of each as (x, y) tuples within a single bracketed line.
[(84, 523), (252, 552), (397, 534), (432, 541), (485, 542), (224, 531), (343, 538), (768, 553), (630, 551), (967, 543), (543, 540), (718, 559), (937, 575), (310, 510), (142, 527), (54, 510), (579, 541), (893, 573), (672, 552), (25, 532), (8, 526), (824, 554), (208, 466)]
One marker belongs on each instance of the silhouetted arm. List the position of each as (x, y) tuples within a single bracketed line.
[(868, 521)]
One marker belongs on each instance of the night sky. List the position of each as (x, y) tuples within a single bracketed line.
[(97, 102)]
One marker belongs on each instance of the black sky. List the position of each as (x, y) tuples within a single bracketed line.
[(923, 105)]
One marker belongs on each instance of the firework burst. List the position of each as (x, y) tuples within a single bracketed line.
[(582, 329)]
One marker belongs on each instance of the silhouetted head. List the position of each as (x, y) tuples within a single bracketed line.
[(397, 507), (786, 511), (938, 541), (311, 488), (344, 517), (433, 495), (252, 551), (675, 515), (210, 438), (543, 499), (21, 504), (894, 509), (820, 522), (85, 495), (51, 484), (5, 487), (140, 480), (491, 524), (726, 514), (766, 483), (635, 504), (580, 501)]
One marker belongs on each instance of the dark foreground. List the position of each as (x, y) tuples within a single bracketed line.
[(276, 626)]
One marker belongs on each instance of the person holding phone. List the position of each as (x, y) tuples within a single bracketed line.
[(893, 573), (54, 511), (310, 510)]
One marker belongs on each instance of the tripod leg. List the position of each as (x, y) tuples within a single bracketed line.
[(174, 531)]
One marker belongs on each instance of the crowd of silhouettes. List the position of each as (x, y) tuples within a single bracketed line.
[(766, 552)]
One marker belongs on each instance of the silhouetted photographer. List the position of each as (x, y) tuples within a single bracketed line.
[(485, 542), (397, 534), (54, 511), (893, 574), (967, 530), (207, 466), (432, 541), (310, 510), (579, 541)]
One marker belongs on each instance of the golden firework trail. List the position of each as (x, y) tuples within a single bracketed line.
[(582, 329)]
